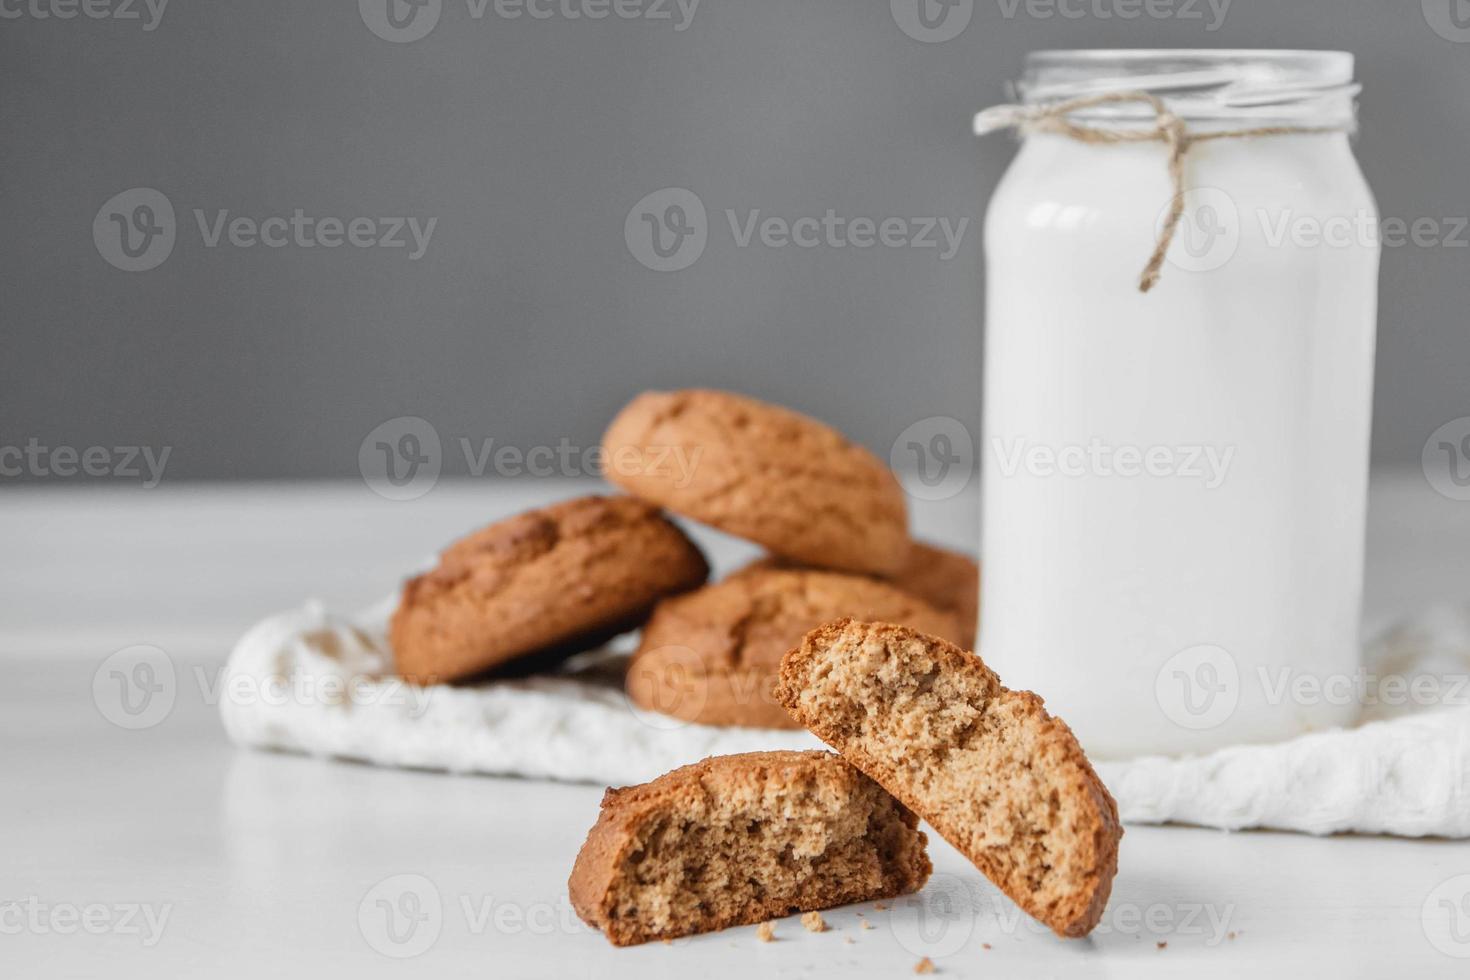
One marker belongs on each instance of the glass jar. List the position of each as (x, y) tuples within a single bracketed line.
[(1175, 481)]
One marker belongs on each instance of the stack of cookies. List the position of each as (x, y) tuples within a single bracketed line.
[(529, 591), (847, 628)]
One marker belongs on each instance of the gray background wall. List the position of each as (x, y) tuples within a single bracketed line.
[(527, 319)]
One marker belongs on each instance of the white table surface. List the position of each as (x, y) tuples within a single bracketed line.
[(270, 865)]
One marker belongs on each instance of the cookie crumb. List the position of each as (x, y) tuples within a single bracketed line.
[(926, 965), (866, 924), (765, 932), (1161, 945), (814, 922), (1230, 934), (984, 945), (879, 907)]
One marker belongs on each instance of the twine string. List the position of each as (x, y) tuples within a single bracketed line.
[(1167, 128)]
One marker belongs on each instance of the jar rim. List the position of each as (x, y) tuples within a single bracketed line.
[(1199, 83)]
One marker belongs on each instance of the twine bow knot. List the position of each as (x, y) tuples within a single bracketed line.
[(1167, 128)]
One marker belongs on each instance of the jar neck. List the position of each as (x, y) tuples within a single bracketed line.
[(1333, 111), (1210, 90)]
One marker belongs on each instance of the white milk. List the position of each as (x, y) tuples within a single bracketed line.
[(1175, 482)]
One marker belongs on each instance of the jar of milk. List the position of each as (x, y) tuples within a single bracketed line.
[(1176, 449)]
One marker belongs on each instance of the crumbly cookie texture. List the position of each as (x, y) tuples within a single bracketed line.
[(741, 839), (762, 472), (548, 583), (711, 656), (987, 767)]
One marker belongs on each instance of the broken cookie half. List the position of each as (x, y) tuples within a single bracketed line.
[(741, 839), (987, 767)]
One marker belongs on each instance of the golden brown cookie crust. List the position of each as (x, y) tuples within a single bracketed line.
[(947, 580), (557, 580), (992, 772), (711, 656), (741, 839), (761, 472)]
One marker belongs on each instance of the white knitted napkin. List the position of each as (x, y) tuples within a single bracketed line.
[(308, 681)]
